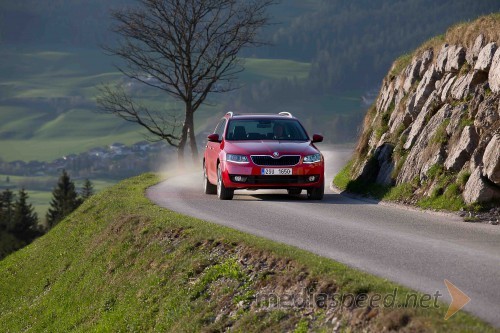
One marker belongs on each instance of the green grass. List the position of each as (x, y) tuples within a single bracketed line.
[(344, 176), (8, 243), (50, 149), (399, 192), (401, 64), (449, 199), (258, 69), (120, 263), (447, 192), (344, 181)]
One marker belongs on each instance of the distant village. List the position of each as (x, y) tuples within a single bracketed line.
[(116, 161)]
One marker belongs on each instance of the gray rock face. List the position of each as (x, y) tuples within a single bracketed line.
[(476, 159), (487, 114), (422, 148), (447, 84), (477, 190), (456, 58), (462, 150), (485, 57), (379, 167), (442, 58), (455, 119), (491, 159), (412, 75), (473, 52), (427, 57), (419, 123), (386, 164), (424, 89), (404, 117), (451, 118), (494, 74), (437, 157), (386, 96), (465, 85)]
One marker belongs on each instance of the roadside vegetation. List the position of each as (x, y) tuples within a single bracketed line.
[(121, 263), (446, 194)]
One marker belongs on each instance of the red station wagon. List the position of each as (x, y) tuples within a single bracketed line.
[(255, 151)]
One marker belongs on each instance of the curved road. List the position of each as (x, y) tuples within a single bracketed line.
[(413, 248)]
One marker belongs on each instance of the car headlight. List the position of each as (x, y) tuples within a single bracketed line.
[(312, 158), (237, 158)]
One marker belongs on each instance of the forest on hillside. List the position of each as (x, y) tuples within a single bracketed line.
[(350, 44)]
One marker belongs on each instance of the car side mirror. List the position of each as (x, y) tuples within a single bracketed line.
[(213, 137), (317, 138)]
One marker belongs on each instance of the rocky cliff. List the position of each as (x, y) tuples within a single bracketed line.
[(435, 126)]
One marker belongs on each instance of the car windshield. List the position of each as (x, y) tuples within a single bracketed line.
[(265, 129)]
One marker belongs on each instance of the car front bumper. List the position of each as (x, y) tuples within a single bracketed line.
[(248, 176)]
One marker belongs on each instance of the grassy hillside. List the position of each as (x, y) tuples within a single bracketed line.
[(8, 243), (120, 263)]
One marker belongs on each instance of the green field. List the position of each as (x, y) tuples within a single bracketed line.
[(121, 263), (47, 101), (259, 69)]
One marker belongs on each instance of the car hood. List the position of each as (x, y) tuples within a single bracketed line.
[(264, 147)]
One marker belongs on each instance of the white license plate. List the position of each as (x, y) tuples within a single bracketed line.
[(276, 171)]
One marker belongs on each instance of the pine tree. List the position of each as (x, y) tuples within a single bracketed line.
[(87, 190), (25, 220), (64, 200), (6, 209)]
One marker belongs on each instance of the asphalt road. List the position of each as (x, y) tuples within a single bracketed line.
[(414, 248)]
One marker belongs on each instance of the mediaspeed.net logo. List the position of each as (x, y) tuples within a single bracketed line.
[(309, 298), (458, 299)]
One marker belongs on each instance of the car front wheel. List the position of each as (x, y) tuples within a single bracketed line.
[(222, 192), (316, 193), (208, 188)]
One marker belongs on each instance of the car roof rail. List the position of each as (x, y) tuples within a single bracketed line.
[(285, 114), (230, 114)]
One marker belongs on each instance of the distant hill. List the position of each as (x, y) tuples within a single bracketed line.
[(350, 44), (326, 55)]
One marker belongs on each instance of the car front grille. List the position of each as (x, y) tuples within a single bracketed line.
[(280, 161), (279, 179)]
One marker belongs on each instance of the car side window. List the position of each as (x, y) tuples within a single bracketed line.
[(220, 128)]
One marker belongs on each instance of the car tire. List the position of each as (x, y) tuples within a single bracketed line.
[(208, 188), (294, 191), (316, 193), (222, 192)]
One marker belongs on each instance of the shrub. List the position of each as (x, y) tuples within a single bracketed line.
[(462, 178)]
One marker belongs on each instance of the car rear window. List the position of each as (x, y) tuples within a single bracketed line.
[(265, 129)]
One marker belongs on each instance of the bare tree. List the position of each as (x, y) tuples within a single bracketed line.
[(186, 48)]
